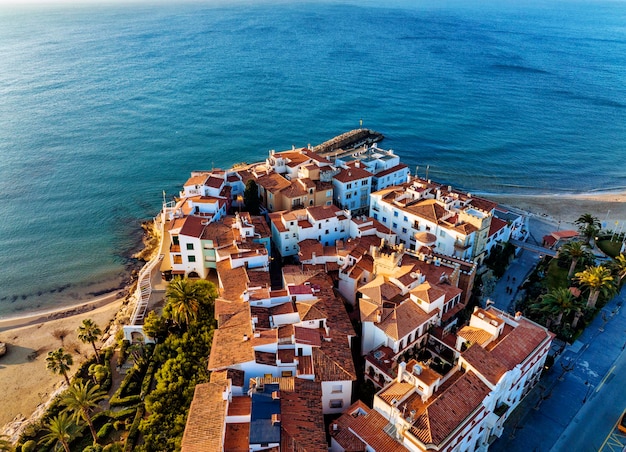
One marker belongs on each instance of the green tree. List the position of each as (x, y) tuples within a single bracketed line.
[(5, 444), (89, 333), (251, 197), (59, 362), (61, 429), (98, 372), (588, 225), (182, 301), (598, 280), (558, 303), (618, 268), (81, 399), (155, 326), (573, 251)]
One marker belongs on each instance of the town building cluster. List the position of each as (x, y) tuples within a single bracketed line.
[(374, 269)]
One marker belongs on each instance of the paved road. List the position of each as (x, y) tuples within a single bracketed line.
[(586, 370)]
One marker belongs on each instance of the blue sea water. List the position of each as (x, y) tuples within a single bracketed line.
[(104, 106)]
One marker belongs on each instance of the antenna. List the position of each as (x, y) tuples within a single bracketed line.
[(427, 168)]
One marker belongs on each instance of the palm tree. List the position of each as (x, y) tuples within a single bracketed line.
[(183, 301), (88, 333), (5, 444), (573, 251), (588, 225), (597, 280), (62, 429), (81, 398), (557, 303), (59, 362), (618, 266)]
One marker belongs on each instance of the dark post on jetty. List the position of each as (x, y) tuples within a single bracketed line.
[(349, 140)]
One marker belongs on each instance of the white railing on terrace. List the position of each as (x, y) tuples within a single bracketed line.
[(144, 290), (144, 280)]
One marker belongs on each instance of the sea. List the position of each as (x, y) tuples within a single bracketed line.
[(103, 106)]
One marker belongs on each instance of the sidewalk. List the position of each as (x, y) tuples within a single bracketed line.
[(542, 417)]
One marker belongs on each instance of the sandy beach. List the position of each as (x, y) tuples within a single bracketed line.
[(24, 378)]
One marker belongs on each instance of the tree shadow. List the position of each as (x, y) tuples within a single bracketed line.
[(17, 354)]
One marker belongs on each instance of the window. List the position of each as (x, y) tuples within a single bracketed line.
[(404, 230), (442, 233), (310, 191), (311, 202), (175, 240), (326, 231), (364, 182), (286, 373), (395, 213), (349, 186), (337, 389), (286, 236), (328, 203), (375, 216), (178, 259), (349, 195), (191, 258), (394, 225), (336, 403), (190, 246), (294, 234), (384, 219), (329, 193)]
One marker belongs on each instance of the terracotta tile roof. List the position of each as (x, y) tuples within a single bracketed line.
[(205, 427), (484, 363), (391, 170), (369, 429), (234, 375), (483, 204), (379, 290), (293, 190), (428, 292), (308, 247), (286, 355), (396, 391), (519, 344), (333, 362), (273, 182), (340, 428), (496, 225), (352, 174), (258, 278), (196, 180), (265, 358), (305, 365), (193, 226), (368, 310), (450, 409), (239, 406), (214, 182), (403, 319), (237, 437), (475, 335), (285, 331), (307, 336), (309, 311), (224, 309), (429, 209), (233, 281), (426, 375), (229, 347), (284, 308), (319, 213), (302, 420)]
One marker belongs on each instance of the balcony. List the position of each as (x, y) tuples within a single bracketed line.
[(174, 248), (461, 246)]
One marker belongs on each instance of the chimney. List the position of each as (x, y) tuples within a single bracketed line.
[(518, 315), (357, 164), (245, 337), (401, 368)]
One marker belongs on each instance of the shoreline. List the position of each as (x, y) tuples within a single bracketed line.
[(36, 317)]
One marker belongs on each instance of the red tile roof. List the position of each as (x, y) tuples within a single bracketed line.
[(205, 426), (352, 174), (484, 363), (516, 346)]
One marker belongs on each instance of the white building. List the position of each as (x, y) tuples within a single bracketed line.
[(352, 187), (457, 406), (425, 214), (326, 224)]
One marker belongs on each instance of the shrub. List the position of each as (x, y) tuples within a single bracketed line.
[(93, 448), (105, 430), (134, 430), (29, 446), (115, 447)]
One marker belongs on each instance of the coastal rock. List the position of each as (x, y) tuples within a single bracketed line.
[(3, 348)]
